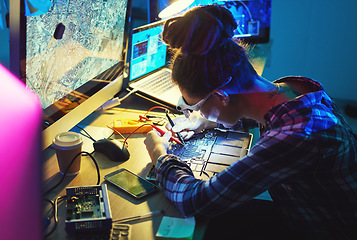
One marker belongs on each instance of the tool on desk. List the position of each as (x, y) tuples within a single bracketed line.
[(130, 125), (139, 217), (172, 125), (163, 132), (121, 232)]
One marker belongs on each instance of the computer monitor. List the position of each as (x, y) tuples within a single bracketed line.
[(252, 16), (71, 56), (20, 160)]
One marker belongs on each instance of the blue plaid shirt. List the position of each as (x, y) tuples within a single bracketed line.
[(306, 159)]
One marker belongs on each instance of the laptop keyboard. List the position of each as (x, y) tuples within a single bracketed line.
[(158, 83)]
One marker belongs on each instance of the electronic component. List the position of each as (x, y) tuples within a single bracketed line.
[(209, 152), (88, 209), (130, 125)]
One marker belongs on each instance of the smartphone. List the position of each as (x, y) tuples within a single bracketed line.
[(131, 183)]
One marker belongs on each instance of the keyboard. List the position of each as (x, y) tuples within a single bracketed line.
[(158, 83)]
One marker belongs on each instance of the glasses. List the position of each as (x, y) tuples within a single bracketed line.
[(187, 109)]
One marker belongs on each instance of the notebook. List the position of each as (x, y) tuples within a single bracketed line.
[(148, 73), (210, 152)]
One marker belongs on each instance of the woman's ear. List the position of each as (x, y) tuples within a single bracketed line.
[(223, 96)]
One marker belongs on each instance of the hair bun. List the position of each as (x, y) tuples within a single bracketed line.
[(200, 29)]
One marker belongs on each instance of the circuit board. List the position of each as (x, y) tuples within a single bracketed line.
[(210, 152), (88, 209), (84, 206)]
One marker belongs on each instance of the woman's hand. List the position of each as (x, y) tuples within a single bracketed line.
[(189, 126), (157, 145)]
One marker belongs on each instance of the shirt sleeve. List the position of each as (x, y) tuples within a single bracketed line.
[(243, 124), (276, 156)]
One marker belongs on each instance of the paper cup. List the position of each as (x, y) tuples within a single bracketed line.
[(67, 146)]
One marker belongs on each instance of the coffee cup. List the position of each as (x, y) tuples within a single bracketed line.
[(68, 145)]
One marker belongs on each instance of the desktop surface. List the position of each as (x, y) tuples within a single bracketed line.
[(122, 205)]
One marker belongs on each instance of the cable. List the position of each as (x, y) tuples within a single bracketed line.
[(50, 201), (141, 119), (250, 15), (65, 173), (115, 101), (55, 215), (55, 203), (155, 108), (125, 140), (127, 95), (88, 135), (55, 220), (117, 132)]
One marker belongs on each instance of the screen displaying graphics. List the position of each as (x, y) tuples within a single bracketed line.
[(71, 55), (148, 52), (252, 17), (71, 44)]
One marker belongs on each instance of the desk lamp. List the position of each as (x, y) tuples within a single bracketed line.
[(175, 8), (181, 6)]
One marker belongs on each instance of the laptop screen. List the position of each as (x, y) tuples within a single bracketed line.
[(148, 52)]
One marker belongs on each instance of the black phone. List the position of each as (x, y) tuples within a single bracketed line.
[(131, 183)]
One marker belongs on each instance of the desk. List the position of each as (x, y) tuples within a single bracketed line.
[(139, 162), (122, 205)]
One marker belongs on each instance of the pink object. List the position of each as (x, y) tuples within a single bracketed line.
[(20, 160)]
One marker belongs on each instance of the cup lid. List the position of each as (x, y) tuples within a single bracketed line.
[(67, 140)]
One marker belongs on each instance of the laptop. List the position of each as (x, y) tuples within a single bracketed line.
[(148, 74), (210, 152)]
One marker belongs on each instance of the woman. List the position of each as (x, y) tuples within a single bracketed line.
[(306, 156)]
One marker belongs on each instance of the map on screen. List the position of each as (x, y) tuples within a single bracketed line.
[(71, 44)]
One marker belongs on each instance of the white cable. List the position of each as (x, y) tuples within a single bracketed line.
[(250, 15), (114, 102)]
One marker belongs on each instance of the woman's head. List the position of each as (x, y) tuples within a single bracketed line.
[(206, 57)]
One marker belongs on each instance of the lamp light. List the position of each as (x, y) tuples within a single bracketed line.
[(175, 8)]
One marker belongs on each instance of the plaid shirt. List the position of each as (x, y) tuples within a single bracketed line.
[(306, 158)]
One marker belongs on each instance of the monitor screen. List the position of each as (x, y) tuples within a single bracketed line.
[(252, 16), (71, 53), (148, 51)]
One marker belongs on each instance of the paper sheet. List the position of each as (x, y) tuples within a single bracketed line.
[(176, 228)]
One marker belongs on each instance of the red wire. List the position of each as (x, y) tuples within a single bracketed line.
[(146, 124), (117, 132), (154, 108)]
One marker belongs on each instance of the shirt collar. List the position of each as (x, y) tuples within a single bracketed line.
[(316, 95)]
